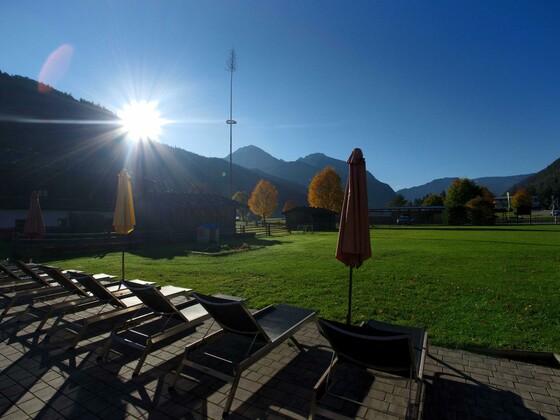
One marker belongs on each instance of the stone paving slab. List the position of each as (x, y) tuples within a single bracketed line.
[(43, 380)]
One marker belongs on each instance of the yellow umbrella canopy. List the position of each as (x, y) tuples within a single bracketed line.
[(124, 219)]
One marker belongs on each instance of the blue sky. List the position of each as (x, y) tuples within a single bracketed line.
[(427, 89)]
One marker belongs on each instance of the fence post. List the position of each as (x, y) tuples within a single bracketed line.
[(268, 229), (15, 244)]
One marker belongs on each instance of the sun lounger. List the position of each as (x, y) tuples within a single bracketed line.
[(14, 279), (243, 339), (377, 347), (113, 311), (51, 288), (48, 306), (171, 321)]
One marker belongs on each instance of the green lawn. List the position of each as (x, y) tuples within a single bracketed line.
[(492, 287)]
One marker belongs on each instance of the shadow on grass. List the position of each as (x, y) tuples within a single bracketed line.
[(470, 228), (170, 251), (158, 251)]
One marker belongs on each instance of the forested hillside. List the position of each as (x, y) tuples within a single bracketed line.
[(544, 184), (74, 149)]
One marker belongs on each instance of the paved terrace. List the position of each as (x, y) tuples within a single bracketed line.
[(42, 380)]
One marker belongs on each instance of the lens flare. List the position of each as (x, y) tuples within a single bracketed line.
[(141, 120), (55, 68)]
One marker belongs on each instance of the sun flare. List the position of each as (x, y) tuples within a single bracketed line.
[(141, 120)]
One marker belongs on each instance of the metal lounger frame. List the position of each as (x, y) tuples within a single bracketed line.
[(387, 334), (162, 308), (212, 305), (83, 301), (128, 311), (62, 289)]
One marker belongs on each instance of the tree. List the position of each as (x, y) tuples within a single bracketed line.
[(243, 199), (398, 201), (467, 202), (288, 205), (432, 200), (325, 190), (480, 211), (264, 199), (417, 202), (522, 201), (461, 191)]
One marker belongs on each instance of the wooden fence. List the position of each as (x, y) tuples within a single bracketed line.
[(267, 229), (528, 220), (56, 244)]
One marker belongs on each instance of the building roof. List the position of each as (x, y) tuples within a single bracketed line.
[(192, 200), (310, 210), (54, 204)]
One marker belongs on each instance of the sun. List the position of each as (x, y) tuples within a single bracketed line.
[(141, 120)]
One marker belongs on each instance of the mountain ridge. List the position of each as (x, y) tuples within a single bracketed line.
[(498, 185), (82, 159), (302, 171), (50, 141)]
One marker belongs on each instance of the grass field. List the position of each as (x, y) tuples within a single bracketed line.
[(490, 287)]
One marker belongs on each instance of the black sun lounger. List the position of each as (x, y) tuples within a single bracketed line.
[(380, 347), (52, 288), (12, 277), (113, 311), (243, 339), (45, 307), (171, 322), (16, 275)]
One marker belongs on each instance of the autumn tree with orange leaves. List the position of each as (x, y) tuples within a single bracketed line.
[(325, 190), (264, 199), (522, 201)]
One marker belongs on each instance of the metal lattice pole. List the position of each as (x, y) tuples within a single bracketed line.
[(231, 66)]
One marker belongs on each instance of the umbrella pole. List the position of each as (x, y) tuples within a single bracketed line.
[(122, 264), (349, 314)]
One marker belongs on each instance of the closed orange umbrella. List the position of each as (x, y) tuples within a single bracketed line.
[(34, 226), (354, 246), (124, 219)]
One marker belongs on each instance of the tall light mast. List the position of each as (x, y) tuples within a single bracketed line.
[(231, 66)]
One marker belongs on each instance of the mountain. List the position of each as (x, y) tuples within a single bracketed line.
[(71, 148), (433, 187), (498, 185), (254, 158), (544, 184), (303, 170)]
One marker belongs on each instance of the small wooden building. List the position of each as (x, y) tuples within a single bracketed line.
[(155, 212), (60, 215), (310, 218), (186, 212)]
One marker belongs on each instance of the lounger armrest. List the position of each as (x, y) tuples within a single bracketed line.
[(422, 358), (50, 291)]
